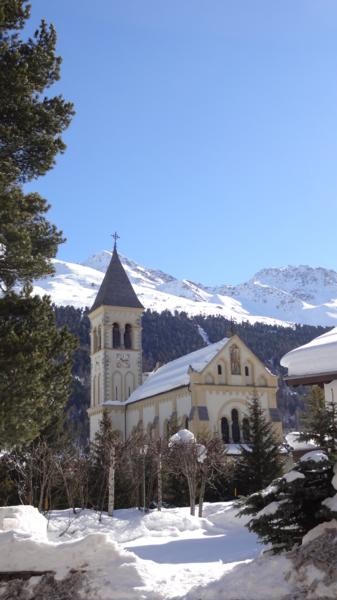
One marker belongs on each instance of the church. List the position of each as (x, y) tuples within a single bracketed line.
[(206, 391)]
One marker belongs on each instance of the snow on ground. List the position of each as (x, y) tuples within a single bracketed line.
[(157, 556), (175, 550), (203, 334), (167, 555)]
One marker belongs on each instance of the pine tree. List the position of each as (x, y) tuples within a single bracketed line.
[(292, 505), (35, 358), (35, 368), (27, 239), (315, 420), (319, 422), (30, 138), (332, 431), (31, 122), (260, 461), (104, 450)]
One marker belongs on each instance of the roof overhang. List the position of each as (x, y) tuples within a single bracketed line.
[(311, 379), (154, 395)]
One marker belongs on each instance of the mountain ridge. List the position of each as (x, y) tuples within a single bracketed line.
[(281, 296)]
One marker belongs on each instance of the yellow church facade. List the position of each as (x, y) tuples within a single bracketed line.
[(207, 391)]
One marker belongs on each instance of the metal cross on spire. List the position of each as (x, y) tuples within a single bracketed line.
[(116, 237)]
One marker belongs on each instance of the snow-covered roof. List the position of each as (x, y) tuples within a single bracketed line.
[(235, 449), (176, 373), (318, 356), (295, 444), (315, 456)]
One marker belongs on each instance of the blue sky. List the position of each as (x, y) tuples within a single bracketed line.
[(205, 133)]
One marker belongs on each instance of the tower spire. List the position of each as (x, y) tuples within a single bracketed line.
[(116, 237), (116, 289)]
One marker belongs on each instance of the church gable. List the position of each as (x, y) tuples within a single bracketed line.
[(235, 364)]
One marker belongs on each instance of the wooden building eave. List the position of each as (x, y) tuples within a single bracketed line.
[(311, 379)]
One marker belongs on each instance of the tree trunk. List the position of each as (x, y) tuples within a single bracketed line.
[(111, 482), (42, 490), (144, 485), (69, 495), (160, 483), (31, 489), (202, 492), (191, 489)]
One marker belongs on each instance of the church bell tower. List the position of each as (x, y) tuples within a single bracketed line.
[(116, 346)]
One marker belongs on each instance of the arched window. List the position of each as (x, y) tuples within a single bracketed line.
[(245, 430), (117, 386), (167, 430), (219, 370), (127, 336), (225, 430), (129, 385), (235, 360), (150, 431), (99, 338), (94, 396), (235, 426), (116, 336), (99, 388), (247, 371), (94, 340)]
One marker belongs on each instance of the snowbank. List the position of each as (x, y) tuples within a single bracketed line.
[(23, 519), (314, 570), (167, 555), (319, 530), (107, 570), (159, 555), (262, 579)]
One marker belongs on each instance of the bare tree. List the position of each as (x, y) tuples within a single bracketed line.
[(36, 474), (183, 457), (73, 465), (156, 466), (104, 452), (137, 461), (197, 462), (211, 463)]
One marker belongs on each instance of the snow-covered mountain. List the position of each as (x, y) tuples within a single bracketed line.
[(277, 295)]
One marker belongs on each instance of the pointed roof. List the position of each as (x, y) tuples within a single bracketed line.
[(116, 289)]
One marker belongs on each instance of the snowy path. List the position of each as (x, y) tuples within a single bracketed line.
[(177, 551), (156, 556)]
